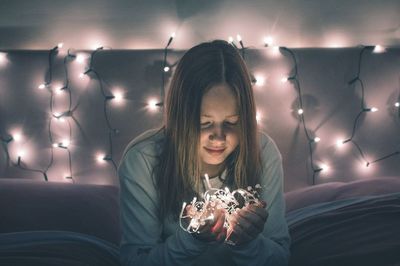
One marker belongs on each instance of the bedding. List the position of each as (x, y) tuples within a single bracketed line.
[(355, 223), (45, 248)]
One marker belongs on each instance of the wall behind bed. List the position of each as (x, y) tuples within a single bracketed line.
[(65, 135)]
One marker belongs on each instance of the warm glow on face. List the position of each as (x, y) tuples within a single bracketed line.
[(219, 134)]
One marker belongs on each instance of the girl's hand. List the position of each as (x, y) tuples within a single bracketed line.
[(247, 223), (213, 230)]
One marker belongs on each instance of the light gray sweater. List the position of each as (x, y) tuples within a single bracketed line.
[(148, 241)]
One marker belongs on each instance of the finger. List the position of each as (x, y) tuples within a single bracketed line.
[(252, 218), (239, 236), (244, 225), (258, 210), (219, 224), (222, 235)]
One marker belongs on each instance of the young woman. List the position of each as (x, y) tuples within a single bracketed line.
[(209, 127)]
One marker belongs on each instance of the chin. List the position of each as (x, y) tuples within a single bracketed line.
[(213, 160)]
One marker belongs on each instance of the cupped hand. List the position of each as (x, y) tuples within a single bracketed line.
[(213, 229), (247, 223)]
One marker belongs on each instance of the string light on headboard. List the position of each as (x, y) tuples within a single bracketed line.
[(166, 68), (46, 85), (268, 41), (363, 108), (300, 111), (111, 130)]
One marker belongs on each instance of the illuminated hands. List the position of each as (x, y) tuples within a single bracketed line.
[(208, 225), (219, 213), (247, 223), (213, 230)]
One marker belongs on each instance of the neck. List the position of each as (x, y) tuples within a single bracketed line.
[(212, 170)]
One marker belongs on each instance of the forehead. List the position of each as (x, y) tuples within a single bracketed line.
[(219, 100)]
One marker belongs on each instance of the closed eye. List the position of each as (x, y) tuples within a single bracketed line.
[(205, 125)]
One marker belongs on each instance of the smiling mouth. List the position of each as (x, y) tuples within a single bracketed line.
[(214, 152)]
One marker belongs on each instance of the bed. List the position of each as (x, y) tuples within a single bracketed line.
[(356, 223)]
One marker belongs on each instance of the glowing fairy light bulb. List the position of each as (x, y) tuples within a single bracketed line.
[(3, 58), (259, 80), (230, 39), (378, 49), (268, 41), (118, 96), (152, 104), (284, 79), (21, 153), (42, 86), (239, 38), (16, 136), (374, 109), (80, 58), (317, 139), (172, 35), (397, 104), (166, 69), (81, 75), (324, 167), (100, 158), (275, 50), (258, 117), (97, 46), (60, 45), (339, 143), (65, 142), (300, 111)]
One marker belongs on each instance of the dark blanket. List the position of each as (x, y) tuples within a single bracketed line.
[(51, 248), (364, 231)]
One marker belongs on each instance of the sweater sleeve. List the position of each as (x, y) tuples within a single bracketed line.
[(272, 247), (142, 242)]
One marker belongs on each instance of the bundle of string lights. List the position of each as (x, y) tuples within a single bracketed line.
[(195, 215)]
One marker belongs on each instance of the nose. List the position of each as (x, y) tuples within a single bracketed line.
[(218, 134)]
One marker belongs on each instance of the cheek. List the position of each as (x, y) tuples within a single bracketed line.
[(233, 139)]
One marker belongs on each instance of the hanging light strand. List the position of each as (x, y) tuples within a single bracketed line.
[(111, 130), (311, 141), (166, 68), (363, 109)]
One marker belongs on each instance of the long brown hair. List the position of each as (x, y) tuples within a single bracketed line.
[(178, 173)]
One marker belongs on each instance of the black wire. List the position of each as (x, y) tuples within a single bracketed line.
[(310, 140), (47, 84), (106, 99), (363, 110)]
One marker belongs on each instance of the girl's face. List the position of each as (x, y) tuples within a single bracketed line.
[(219, 134)]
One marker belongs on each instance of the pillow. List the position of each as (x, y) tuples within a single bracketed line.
[(340, 190)]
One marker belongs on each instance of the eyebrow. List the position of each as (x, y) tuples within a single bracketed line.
[(226, 116)]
